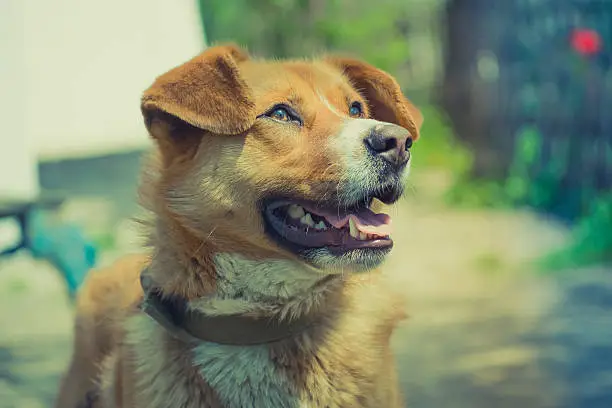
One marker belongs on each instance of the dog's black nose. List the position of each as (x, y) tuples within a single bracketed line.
[(390, 142)]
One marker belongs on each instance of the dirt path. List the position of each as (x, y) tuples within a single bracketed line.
[(35, 334), (484, 330)]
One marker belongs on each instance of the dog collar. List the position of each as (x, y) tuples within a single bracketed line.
[(174, 315)]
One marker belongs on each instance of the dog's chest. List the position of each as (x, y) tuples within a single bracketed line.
[(248, 377), (245, 377), (234, 376)]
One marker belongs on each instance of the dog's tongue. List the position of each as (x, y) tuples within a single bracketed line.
[(365, 220)]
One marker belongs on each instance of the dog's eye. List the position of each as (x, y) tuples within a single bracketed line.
[(283, 113), (408, 143), (280, 114), (356, 110)]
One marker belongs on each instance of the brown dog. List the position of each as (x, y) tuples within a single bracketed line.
[(255, 293)]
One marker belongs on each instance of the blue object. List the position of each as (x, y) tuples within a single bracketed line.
[(64, 245)]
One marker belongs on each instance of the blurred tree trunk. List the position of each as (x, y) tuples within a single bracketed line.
[(533, 105), (472, 102)]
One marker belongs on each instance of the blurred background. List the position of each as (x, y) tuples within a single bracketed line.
[(504, 241)]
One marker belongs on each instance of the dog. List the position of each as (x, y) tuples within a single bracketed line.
[(262, 285)]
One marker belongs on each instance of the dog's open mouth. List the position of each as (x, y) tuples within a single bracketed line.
[(307, 225)]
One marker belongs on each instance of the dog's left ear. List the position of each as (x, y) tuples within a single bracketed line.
[(385, 99)]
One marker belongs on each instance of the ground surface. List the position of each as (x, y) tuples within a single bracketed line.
[(484, 331)]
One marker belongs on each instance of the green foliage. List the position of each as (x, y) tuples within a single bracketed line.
[(267, 27), (592, 239), (296, 28), (439, 147), (370, 30), (528, 149), (519, 188), (470, 193), (592, 236)]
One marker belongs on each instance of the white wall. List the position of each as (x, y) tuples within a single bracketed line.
[(77, 68), (18, 177)]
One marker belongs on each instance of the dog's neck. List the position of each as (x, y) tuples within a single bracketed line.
[(276, 287), (219, 283)]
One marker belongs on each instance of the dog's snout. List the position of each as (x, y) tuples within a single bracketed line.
[(390, 142)]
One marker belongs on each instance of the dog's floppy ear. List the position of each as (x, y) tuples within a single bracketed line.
[(385, 99), (206, 92)]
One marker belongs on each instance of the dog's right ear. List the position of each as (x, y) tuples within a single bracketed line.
[(382, 92), (206, 92)]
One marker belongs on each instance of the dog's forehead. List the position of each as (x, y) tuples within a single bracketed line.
[(278, 80)]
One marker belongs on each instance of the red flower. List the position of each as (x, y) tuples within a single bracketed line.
[(586, 42)]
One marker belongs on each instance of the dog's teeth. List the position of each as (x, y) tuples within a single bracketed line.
[(296, 211), (321, 226), (353, 229), (307, 220), (363, 236)]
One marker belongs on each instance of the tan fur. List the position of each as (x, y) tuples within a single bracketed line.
[(215, 161)]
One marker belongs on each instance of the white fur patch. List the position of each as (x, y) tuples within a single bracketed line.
[(159, 377), (244, 376), (360, 172), (245, 285), (328, 104), (263, 279)]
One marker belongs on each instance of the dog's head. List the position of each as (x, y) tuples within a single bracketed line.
[(282, 159)]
